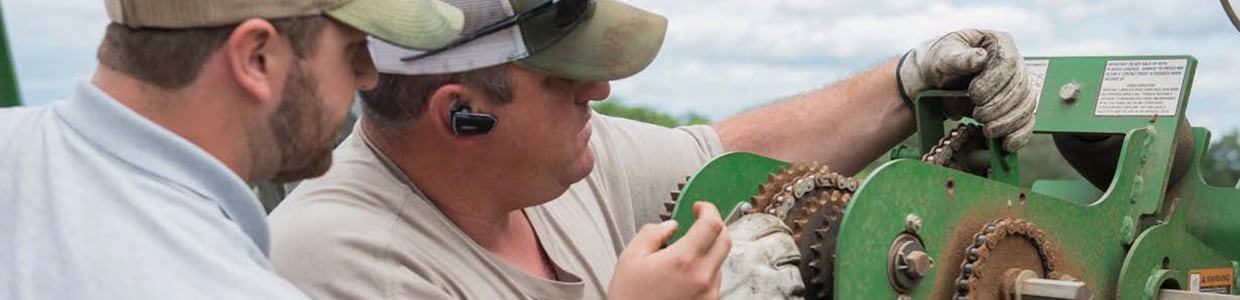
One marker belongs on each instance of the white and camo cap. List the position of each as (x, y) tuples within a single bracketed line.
[(613, 41)]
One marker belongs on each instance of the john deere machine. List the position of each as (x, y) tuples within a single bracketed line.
[(950, 221)]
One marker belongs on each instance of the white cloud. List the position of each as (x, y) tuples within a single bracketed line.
[(839, 36), (724, 56), (776, 31), (719, 88)]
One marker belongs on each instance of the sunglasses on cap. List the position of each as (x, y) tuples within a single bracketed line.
[(552, 20)]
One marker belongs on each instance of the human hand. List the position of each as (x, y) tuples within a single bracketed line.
[(763, 262), (688, 269), (988, 63)]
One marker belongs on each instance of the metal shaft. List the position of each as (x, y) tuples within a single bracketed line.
[(1025, 284), (1038, 288)]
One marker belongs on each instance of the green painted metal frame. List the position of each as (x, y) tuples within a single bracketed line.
[(729, 182), (9, 93), (1201, 232), (1115, 243)]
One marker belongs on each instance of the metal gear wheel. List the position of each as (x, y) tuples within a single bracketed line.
[(1003, 244)]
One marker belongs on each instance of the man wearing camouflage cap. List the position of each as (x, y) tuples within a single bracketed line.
[(136, 187), (479, 170)]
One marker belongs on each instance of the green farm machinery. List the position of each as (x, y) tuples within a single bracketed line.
[(951, 221)]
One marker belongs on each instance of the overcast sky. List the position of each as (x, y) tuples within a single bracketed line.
[(725, 56)]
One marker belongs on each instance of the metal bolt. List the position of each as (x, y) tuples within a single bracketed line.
[(918, 264), (904, 297), (912, 223), (1069, 92)]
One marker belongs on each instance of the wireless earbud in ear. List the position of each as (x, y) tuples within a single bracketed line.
[(465, 122)]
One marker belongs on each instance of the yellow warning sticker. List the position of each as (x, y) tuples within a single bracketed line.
[(1217, 281)]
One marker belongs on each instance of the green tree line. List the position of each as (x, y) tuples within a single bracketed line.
[(617, 108)]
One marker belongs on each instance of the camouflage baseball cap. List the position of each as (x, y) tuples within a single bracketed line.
[(408, 23), (597, 40)]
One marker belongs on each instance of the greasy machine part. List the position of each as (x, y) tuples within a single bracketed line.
[(670, 206), (811, 200), (1003, 244), (960, 140), (817, 247), (798, 193)]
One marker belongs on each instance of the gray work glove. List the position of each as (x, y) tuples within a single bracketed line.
[(762, 263), (1000, 87)]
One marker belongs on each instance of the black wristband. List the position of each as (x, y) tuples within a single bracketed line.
[(900, 84)]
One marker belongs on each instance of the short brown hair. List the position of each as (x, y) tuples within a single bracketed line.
[(398, 99), (172, 58)]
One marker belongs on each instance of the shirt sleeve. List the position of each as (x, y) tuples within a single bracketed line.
[(639, 165)]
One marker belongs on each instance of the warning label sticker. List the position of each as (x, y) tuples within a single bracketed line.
[(1037, 74), (1141, 87), (1211, 280)]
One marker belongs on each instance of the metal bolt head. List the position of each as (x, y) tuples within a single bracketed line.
[(1069, 91), (912, 223), (918, 264)]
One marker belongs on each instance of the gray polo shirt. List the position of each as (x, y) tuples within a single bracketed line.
[(97, 202)]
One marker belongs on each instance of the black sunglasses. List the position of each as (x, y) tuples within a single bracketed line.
[(568, 13)]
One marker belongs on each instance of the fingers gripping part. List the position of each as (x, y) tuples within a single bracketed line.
[(1000, 72), (1018, 139), (991, 105)]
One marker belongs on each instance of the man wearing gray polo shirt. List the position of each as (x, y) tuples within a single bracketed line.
[(136, 188)]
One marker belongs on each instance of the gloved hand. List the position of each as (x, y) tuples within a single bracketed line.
[(762, 263), (1000, 87)]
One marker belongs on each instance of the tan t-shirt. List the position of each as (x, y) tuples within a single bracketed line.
[(362, 231)]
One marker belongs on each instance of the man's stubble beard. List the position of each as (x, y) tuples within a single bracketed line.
[(301, 129)]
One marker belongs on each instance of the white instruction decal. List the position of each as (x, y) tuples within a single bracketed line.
[(1141, 87), (1037, 79)]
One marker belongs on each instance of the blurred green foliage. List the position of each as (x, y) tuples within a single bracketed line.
[(616, 108), (1221, 165)]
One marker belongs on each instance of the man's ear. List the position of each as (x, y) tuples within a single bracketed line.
[(442, 101), (258, 58)]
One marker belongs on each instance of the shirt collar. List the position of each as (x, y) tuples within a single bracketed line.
[(132, 138)]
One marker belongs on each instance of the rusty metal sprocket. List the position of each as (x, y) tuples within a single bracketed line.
[(1003, 244), (796, 194), (817, 245), (812, 200), (670, 205)]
